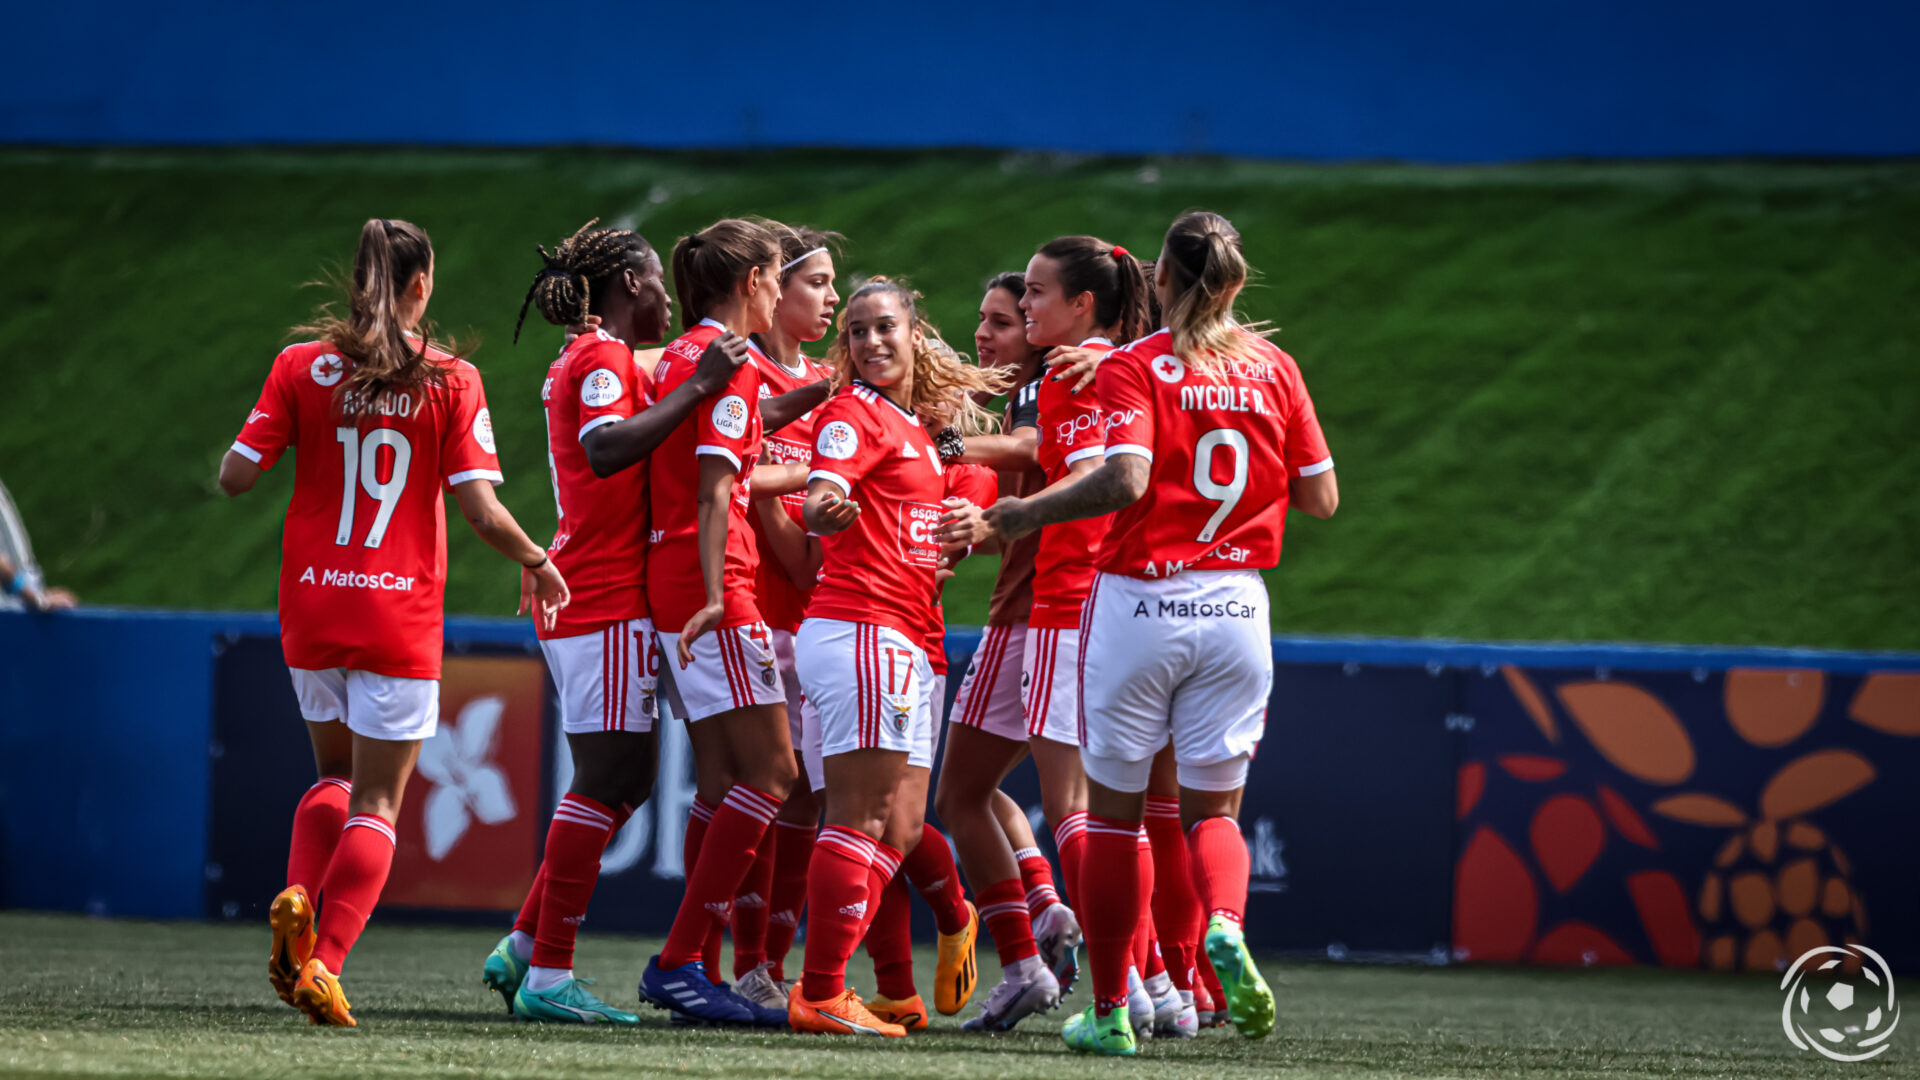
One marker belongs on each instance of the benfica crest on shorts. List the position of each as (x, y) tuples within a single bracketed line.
[(899, 708)]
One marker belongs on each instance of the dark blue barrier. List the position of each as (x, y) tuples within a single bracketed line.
[(1474, 80), (1431, 800)]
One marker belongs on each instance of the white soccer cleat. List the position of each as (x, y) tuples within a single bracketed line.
[(1025, 988), (1180, 1022), (1139, 1006), (1057, 932), (759, 987)]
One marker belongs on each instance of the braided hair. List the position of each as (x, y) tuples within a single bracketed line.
[(578, 271)]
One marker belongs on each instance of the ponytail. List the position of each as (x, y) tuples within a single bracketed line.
[(1088, 264), (1204, 260), (708, 264), (384, 358)]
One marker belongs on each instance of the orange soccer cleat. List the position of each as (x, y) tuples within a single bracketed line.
[(909, 1013), (841, 1015), (954, 973), (291, 917), (318, 994)]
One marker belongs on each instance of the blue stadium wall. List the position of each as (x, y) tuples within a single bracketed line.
[(1466, 81), (1433, 801)]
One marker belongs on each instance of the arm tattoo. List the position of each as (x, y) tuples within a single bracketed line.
[(1118, 482)]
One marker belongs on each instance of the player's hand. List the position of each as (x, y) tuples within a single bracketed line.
[(1008, 518), (53, 599), (835, 514), (585, 326), (717, 365), (942, 572), (963, 524), (543, 592), (1075, 364), (703, 620)]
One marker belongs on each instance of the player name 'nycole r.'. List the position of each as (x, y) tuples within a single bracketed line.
[(1191, 609), (1218, 397), (349, 579)]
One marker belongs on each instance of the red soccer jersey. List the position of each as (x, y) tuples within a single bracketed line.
[(725, 425), (600, 541), (1223, 446), (880, 568), (782, 606), (363, 558), (980, 486), (1063, 568)]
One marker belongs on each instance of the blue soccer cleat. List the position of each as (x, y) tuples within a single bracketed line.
[(692, 998)]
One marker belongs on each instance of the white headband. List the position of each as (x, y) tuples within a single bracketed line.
[(801, 259)]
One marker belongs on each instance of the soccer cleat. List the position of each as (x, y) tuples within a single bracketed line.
[(759, 987), (955, 973), (1090, 1033), (1249, 1001), (910, 1013), (1180, 1022), (317, 993), (1139, 1006), (691, 997), (1057, 932), (1203, 1005), (1020, 994), (568, 1003), (842, 1015), (291, 917), (504, 971)]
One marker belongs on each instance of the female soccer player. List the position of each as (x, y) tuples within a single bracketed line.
[(1211, 436), (875, 495), (766, 911), (700, 580), (602, 652), (380, 418)]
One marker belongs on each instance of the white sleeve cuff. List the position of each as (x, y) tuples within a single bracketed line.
[(822, 474), (1085, 453), (719, 451), (1315, 469), (246, 451), (598, 421), (1129, 448), (475, 474)]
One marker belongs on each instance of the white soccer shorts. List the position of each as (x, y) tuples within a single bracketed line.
[(990, 692), (789, 678), (1050, 684), (1189, 656), (870, 686), (732, 668), (609, 680), (386, 707)]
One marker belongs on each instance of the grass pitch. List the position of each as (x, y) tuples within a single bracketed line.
[(87, 997), (1668, 402)]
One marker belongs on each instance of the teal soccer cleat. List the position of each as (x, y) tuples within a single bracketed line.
[(1249, 1001), (1090, 1033), (504, 972), (568, 1003)]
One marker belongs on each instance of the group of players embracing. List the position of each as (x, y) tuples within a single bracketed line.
[(759, 539)]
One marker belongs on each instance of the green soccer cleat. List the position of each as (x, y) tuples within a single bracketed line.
[(504, 972), (1090, 1033), (1249, 1001), (568, 1003)]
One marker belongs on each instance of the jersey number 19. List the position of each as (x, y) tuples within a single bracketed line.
[(361, 458)]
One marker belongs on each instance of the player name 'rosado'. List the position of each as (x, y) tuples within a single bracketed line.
[(1216, 397), (1188, 609), (349, 579)]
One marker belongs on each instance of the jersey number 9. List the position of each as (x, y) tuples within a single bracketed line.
[(1227, 494)]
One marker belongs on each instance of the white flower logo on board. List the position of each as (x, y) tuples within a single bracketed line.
[(1852, 1017), (466, 784)]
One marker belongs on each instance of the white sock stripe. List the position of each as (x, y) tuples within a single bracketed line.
[(701, 810), (758, 804), (332, 781), (853, 843), (370, 821), (795, 825), (579, 805), (1109, 830), (591, 823), (992, 910), (1043, 892), (1026, 853), (888, 861)]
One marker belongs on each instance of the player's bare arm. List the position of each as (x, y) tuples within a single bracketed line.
[(1071, 363), (1318, 495), (798, 555), (828, 510), (1019, 450), (778, 412), (772, 480), (712, 500), (625, 443), (541, 585), (1120, 481), (238, 474)]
